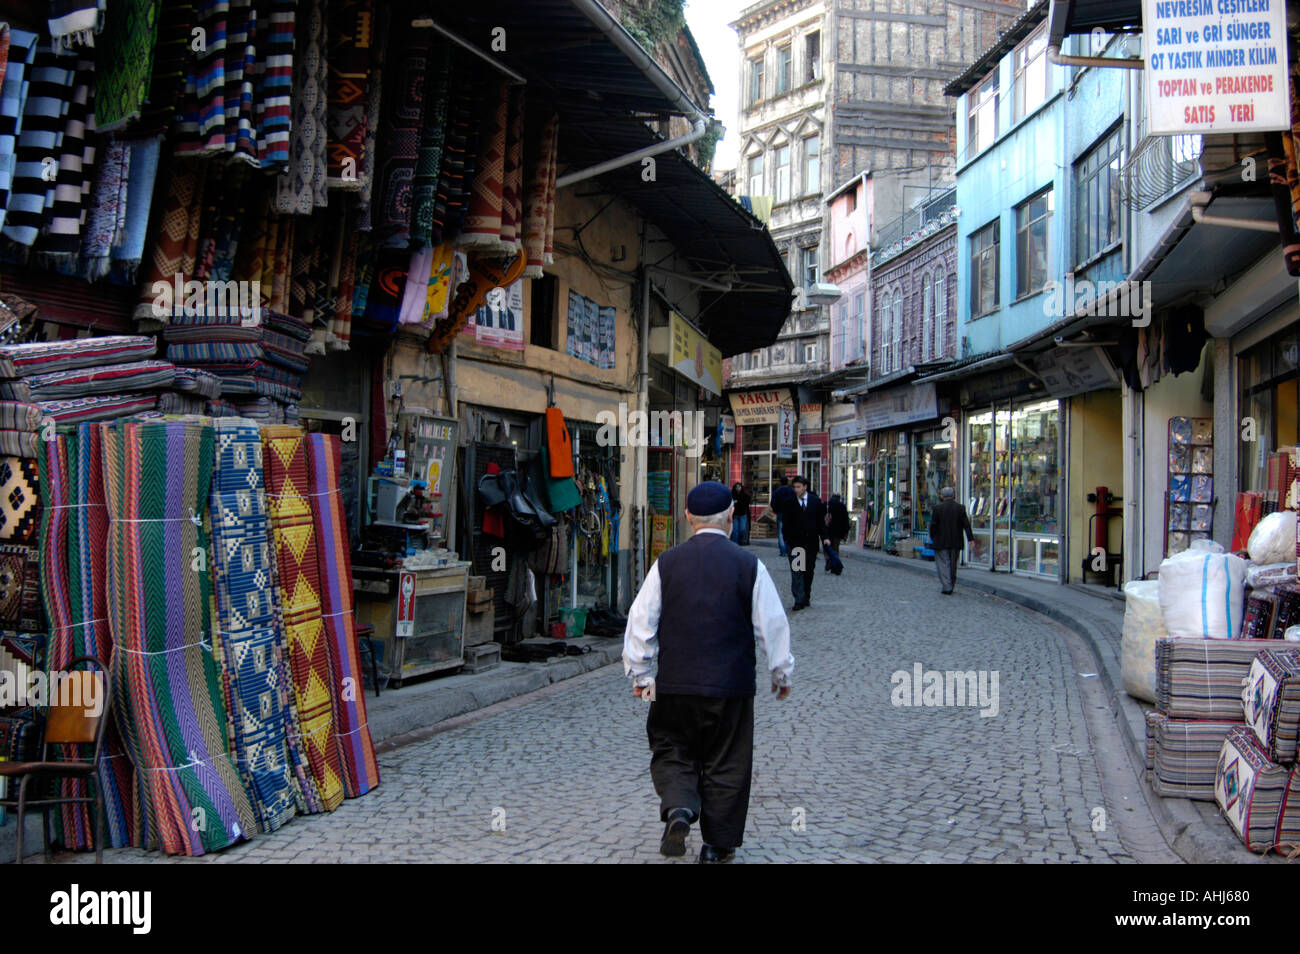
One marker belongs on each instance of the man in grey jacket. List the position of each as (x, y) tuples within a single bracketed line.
[(948, 521)]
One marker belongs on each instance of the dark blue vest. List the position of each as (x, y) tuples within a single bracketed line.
[(706, 632)]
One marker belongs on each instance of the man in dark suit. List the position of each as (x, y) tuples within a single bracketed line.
[(948, 521), (803, 528)]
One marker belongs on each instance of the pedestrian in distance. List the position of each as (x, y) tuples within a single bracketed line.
[(740, 514), (804, 528), (783, 494), (703, 605), (948, 521), (837, 522)]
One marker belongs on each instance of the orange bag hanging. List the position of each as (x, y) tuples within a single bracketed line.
[(558, 444)]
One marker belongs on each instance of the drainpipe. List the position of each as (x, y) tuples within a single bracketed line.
[(634, 51), (1257, 225)]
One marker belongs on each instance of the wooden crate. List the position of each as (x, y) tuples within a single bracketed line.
[(478, 626), (482, 657)]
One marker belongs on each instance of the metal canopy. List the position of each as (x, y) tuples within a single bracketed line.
[(1083, 16)]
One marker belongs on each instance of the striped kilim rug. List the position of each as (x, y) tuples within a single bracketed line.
[(1202, 678), (172, 711), (1182, 755), (1259, 798), (355, 748), (74, 528), (250, 644), (284, 460), (1271, 700)]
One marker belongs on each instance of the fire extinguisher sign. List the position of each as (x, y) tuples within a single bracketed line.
[(405, 605)]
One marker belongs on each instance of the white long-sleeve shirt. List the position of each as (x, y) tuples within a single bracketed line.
[(771, 628)]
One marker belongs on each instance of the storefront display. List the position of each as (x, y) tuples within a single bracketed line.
[(1268, 374)]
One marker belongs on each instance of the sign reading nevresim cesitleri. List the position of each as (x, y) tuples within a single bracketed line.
[(1215, 66)]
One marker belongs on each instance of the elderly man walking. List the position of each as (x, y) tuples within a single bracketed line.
[(701, 608), (948, 521)]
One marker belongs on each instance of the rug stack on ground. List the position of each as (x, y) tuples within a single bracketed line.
[(171, 704), (284, 459), (249, 643), (1260, 798), (74, 529), (355, 748), (1182, 755), (80, 379), (1202, 678)]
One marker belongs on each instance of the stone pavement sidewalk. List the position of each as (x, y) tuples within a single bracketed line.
[(1194, 829)]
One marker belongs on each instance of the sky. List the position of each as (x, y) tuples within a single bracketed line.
[(708, 21)]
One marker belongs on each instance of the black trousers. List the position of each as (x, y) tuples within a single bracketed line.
[(801, 581), (701, 759)]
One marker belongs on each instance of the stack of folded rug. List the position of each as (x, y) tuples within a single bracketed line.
[(80, 379)]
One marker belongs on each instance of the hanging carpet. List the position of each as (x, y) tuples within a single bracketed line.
[(302, 187), (124, 62), (74, 23), (482, 230), (349, 35), (14, 90)]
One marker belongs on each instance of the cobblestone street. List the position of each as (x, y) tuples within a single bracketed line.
[(841, 774)]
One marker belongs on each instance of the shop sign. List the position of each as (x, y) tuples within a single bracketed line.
[(758, 407), (900, 405), (810, 417), (405, 605), (693, 357), (1076, 371), (787, 423), (1215, 66), (846, 430), (727, 424)]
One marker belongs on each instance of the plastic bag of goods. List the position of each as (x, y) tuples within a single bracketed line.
[(1202, 592), (1273, 539), (1143, 625)]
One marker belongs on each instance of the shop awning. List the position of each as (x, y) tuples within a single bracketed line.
[(1083, 16)]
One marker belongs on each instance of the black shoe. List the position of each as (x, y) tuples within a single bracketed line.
[(717, 856), (797, 607), (673, 844)]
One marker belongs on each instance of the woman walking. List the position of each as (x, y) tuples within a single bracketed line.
[(740, 515), (837, 521)]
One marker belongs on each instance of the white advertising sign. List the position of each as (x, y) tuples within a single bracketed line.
[(785, 428), (1215, 66)]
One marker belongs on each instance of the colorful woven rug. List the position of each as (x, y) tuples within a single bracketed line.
[(53, 85), (124, 62), (171, 710), (284, 459), (42, 357), (539, 199), (13, 100), (20, 501), (302, 187), (1271, 700), (483, 215), (1182, 755), (433, 136), (74, 23), (105, 379), (1259, 798), (1202, 678), (349, 34), (100, 408), (352, 733), (250, 645), (73, 540), (399, 137), (459, 153), (61, 240)]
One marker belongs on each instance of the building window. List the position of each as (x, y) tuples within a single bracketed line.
[(756, 175), (927, 319), (859, 325), (940, 313), (898, 331), (812, 164), (1097, 199), (1031, 74), (542, 317), (982, 122), (755, 80), (783, 173), (812, 56), (886, 339), (811, 267), (783, 61), (984, 270), (810, 353), (1033, 225)]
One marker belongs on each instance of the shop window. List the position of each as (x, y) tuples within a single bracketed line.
[(812, 164), (1033, 228), (984, 270), (1031, 74), (1268, 396), (784, 59), (783, 174), (812, 56), (542, 316), (982, 118), (1097, 199)]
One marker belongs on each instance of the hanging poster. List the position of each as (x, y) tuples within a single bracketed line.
[(591, 331), (607, 325), (499, 321), (577, 311)]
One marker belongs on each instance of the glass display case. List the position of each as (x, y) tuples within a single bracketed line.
[(979, 495)]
